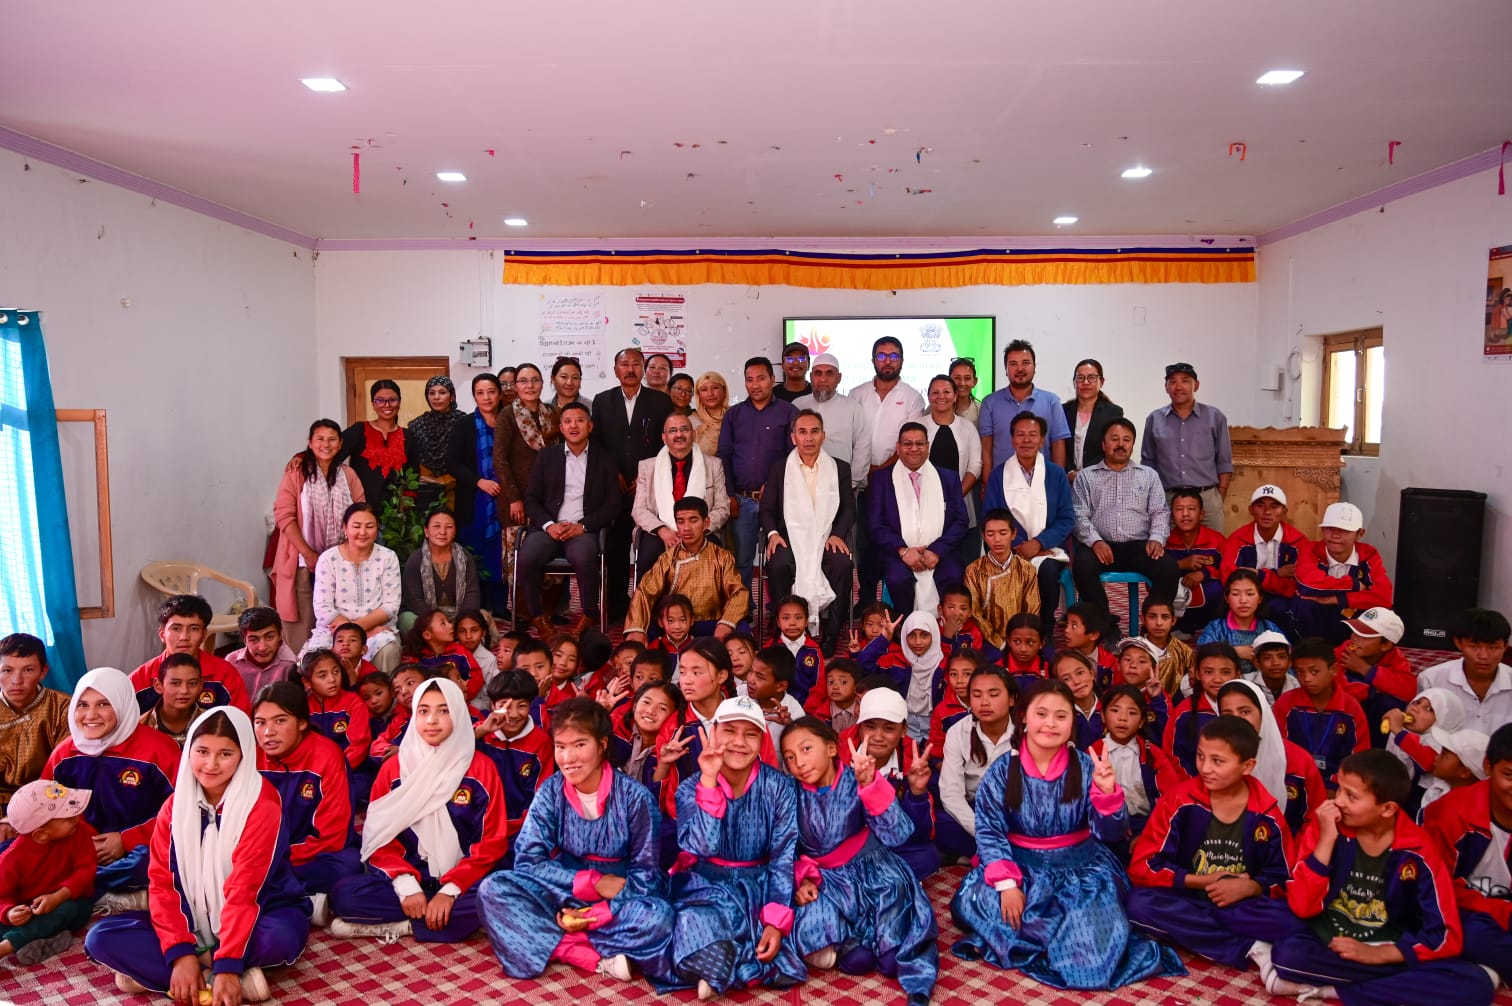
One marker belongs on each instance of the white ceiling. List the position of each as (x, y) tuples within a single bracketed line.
[(1028, 110)]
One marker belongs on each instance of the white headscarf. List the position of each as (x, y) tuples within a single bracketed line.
[(112, 683), (921, 681), (1448, 710), (428, 779), (1270, 762), (204, 857)]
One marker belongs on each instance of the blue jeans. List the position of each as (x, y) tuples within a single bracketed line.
[(744, 527)]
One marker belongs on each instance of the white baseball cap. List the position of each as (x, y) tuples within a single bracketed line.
[(1469, 745), (825, 360), (741, 708), (883, 704), (1270, 637), (1141, 642), (1269, 491), (1344, 516), (1381, 622)]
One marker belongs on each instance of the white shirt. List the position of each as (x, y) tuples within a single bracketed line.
[(1125, 759), (629, 404), (795, 711), (1342, 568), (573, 489), (959, 775), (845, 435), (1485, 714), (881, 418), (1268, 553)]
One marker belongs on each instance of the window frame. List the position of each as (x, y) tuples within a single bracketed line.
[(1356, 342)]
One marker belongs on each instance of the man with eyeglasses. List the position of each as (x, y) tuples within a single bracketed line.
[(795, 365), (999, 408), (678, 470), (918, 517), (885, 404), (1188, 444)]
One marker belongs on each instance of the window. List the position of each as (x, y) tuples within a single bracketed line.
[(1354, 388), (22, 606)]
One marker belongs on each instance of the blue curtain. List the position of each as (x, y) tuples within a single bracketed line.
[(37, 593)]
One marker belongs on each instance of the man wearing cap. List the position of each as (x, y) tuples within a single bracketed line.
[(883, 405), (1123, 520), (998, 409), (1188, 444), (1338, 577), (882, 731), (846, 437), (1269, 546), (795, 364), (1375, 672), (679, 469)]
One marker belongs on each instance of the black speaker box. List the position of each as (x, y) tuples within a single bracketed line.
[(1438, 562)]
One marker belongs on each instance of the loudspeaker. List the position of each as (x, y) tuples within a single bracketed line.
[(1438, 562)]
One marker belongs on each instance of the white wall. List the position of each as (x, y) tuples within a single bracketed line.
[(207, 376), (417, 303), (1418, 269)]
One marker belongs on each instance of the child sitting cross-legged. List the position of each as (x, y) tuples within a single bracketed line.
[(47, 874)]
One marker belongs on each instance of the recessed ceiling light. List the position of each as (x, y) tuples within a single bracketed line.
[(1139, 172), (1278, 76), (451, 176), (327, 85), (515, 221), (1063, 221)]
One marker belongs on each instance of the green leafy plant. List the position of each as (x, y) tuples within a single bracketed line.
[(401, 522)]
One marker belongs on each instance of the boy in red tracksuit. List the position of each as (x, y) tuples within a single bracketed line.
[(1382, 925), (959, 629), (1472, 826), (1320, 716), (181, 627), (521, 751), (952, 705), (1198, 551), (1338, 577), (1376, 674), (47, 874), (1210, 869), (1269, 546)]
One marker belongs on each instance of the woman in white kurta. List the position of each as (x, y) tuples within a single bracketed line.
[(359, 581)]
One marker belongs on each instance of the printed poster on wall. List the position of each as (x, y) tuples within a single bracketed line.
[(659, 328), (1497, 345), (574, 326)]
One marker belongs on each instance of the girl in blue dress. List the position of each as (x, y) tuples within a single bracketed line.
[(859, 905), (1048, 895), (738, 819), (586, 887)]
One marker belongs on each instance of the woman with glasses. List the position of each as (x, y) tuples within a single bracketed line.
[(506, 386), (376, 448), (470, 459), (567, 379), (680, 390), (708, 416), (1088, 415)]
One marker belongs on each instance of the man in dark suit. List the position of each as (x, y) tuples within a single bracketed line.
[(824, 483), (918, 534), (571, 497), (627, 422)]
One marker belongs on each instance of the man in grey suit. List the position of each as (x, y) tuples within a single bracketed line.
[(679, 469)]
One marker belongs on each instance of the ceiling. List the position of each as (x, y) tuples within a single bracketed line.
[(784, 118)]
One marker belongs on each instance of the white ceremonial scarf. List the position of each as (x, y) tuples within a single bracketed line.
[(808, 525), (428, 779), (1270, 763), (1029, 505), (1125, 759), (923, 521), (204, 856), (118, 691), (661, 483)]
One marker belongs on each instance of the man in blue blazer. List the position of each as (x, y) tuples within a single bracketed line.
[(1038, 494), (918, 535)]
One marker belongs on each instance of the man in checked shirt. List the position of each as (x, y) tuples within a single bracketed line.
[(1122, 520), (698, 569)]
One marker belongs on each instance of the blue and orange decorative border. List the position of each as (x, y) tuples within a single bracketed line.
[(892, 271)]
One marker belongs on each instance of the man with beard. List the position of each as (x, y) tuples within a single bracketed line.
[(795, 364), (884, 404), (1122, 520), (999, 408), (845, 437)]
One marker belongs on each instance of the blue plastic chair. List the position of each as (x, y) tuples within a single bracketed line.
[(1067, 586), (1134, 580)]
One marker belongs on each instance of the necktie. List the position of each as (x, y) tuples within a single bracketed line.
[(914, 478), (679, 478)]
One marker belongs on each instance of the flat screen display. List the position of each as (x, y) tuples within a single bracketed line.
[(929, 345)]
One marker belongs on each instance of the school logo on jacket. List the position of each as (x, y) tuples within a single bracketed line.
[(1339, 729), (307, 791), (1293, 793), (340, 727), (207, 698), (461, 797), (1408, 873), (810, 660), (527, 769), (1262, 833), (130, 777)]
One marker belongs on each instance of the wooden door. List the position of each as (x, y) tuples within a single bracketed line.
[(409, 372)]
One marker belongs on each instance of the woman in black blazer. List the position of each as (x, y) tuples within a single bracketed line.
[(1094, 410)]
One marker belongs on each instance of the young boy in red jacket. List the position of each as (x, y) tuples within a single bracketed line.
[(1269, 546), (47, 874), (1338, 576), (1382, 925), (1320, 716), (1375, 673), (182, 620)]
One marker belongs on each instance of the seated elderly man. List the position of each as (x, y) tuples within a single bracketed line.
[(918, 517), (807, 513), (698, 569), (679, 469)]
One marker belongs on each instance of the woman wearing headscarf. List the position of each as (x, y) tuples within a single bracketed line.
[(470, 459), (436, 827), (713, 402), (130, 772), (439, 574), (1287, 771), (224, 899), (428, 434)]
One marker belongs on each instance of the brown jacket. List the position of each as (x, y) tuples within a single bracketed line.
[(513, 457)]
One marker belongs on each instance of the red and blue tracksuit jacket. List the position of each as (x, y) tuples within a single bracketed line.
[(345, 722), (1392, 681), (1418, 894), (1460, 822), (262, 878), (1157, 769), (1305, 791), (1330, 734), (220, 683), (522, 763), (1239, 553), (970, 635), (809, 677), (1209, 543), (458, 656), (317, 804), (1180, 739), (130, 782), (1163, 851), (477, 812), (1364, 585), (947, 711)]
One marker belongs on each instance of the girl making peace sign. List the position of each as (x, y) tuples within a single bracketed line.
[(1048, 895), (853, 892)]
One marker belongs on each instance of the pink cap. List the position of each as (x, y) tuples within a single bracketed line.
[(41, 801)]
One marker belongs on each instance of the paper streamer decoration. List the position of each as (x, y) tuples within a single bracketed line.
[(1391, 151), (356, 174), (1241, 148), (1501, 170)]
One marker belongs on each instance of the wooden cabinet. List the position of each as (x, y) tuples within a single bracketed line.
[(1305, 461)]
